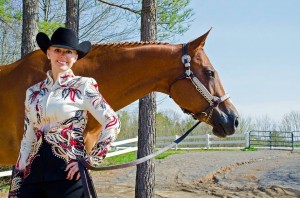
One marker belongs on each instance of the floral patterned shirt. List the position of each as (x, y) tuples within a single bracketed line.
[(57, 112)]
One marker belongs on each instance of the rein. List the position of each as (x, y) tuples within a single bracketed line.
[(88, 186), (143, 159), (213, 101)]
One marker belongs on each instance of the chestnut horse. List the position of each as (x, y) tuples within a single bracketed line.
[(125, 72)]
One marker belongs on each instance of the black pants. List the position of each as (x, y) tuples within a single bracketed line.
[(52, 189)]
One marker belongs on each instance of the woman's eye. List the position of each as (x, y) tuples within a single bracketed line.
[(69, 52), (57, 50)]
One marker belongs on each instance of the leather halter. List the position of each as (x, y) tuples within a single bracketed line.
[(213, 101)]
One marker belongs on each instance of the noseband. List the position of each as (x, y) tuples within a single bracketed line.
[(213, 101)]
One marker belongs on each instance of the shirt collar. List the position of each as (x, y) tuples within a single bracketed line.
[(62, 78)]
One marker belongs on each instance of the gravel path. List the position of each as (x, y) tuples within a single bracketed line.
[(213, 174), (225, 174)]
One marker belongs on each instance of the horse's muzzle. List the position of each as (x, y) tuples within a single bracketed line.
[(225, 124)]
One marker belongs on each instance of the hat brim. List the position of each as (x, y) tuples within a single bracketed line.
[(83, 48), (44, 43)]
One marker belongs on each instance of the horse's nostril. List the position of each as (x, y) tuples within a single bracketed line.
[(236, 123)]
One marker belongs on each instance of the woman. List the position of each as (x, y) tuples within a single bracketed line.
[(55, 118)]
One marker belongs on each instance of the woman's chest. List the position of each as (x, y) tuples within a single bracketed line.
[(56, 104)]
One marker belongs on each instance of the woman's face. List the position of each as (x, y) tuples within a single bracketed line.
[(61, 59)]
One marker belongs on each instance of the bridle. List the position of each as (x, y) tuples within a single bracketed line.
[(213, 101)]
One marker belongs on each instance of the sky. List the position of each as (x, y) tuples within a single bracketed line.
[(255, 47)]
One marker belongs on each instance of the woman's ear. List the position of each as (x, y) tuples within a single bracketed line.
[(48, 53)]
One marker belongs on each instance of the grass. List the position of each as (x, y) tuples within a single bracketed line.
[(4, 188), (4, 181), (128, 157), (119, 159), (249, 148)]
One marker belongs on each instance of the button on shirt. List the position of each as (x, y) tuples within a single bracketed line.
[(56, 114)]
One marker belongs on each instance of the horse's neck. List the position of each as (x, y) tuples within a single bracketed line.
[(124, 74), (142, 70), (5, 69)]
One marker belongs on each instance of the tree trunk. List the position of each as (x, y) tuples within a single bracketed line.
[(72, 18), (46, 9), (29, 28), (145, 175)]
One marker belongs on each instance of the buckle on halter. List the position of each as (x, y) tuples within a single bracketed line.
[(188, 72), (185, 59), (216, 101)]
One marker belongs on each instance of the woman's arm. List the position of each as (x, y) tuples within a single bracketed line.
[(105, 115), (26, 143)]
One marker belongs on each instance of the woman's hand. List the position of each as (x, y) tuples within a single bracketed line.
[(73, 169)]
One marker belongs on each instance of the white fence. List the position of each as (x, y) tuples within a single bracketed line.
[(191, 142), (206, 141)]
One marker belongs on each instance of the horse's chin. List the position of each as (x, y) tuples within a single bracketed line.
[(220, 131)]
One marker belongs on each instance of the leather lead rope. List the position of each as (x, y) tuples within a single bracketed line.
[(89, 189), (87, 182)]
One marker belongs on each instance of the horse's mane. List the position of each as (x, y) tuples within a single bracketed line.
[(128, 44)]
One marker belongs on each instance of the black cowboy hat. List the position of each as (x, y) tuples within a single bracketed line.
[(63, 38)]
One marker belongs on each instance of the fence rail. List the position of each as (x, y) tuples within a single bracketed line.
[(197, 141), (275, 139), (205, 141), (193, 142)]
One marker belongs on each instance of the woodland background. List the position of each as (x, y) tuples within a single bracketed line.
[(100, 22)]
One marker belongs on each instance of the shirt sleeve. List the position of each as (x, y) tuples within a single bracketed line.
[(26, 144), (105, 115)]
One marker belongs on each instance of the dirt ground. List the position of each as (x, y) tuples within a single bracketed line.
[(225, 174)]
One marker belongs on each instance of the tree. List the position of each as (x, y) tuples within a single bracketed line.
[(100, 22), (173, 16), (264, 123), (29, 27), (290, 122), (10, 31), (51, 15), (145, 176), (72, 18)]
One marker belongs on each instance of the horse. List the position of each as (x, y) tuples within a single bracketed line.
[(125, 72)]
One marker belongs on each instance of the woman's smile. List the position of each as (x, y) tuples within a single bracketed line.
[(61, 59)]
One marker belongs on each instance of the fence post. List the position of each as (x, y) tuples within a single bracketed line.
[(176, 137), (207, 141), (247, 139), (292, 141), (270, 140)]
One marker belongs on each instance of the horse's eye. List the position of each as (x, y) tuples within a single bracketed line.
[(210, 73)]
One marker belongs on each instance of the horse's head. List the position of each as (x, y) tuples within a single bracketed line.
[(199, 91)]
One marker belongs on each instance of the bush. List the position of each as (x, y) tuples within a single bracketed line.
[(4, 181)]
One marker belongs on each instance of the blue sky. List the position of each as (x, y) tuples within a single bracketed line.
[(255, 47)]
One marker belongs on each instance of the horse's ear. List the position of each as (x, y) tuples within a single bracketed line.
[(198, 42)]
